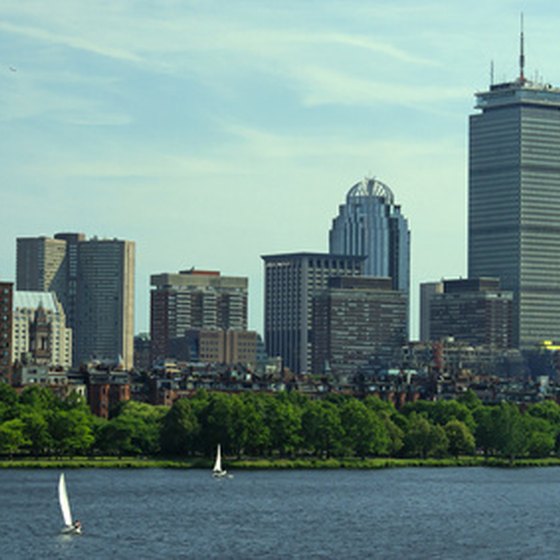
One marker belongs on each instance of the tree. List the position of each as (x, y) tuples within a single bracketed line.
[(36, 431), (284, 420), (509, 431), (8, 402), (460, 438), (12, 438), (365, 433), (180, 428), (321, 428), (71, 431), (257, 440), (424, 439)]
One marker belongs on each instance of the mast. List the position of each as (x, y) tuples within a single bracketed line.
[(521, 54)]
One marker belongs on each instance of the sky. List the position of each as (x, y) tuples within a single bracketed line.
[(212, 132)]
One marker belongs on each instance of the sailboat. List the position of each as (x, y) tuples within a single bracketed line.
[(217, 471), (70, 527)]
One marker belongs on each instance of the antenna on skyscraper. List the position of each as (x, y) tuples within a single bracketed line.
[(521, 54), (491, 72)]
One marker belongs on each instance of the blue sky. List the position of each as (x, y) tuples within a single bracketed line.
[(212, 132)]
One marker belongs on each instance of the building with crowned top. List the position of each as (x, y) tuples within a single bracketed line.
[(371, 224), (514, 201)]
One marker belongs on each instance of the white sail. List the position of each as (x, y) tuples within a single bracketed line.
[(218, 464), (64, 503)]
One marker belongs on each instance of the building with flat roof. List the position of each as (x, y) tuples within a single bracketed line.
[(473, 310), (359, 326), (105, 302), (194, 300), (291, 281)]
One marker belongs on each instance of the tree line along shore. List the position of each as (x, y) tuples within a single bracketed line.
[(286, 430)]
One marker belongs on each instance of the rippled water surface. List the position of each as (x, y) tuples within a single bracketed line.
[(388, 514)]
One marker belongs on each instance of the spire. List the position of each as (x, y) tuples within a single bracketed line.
[(521, 54)]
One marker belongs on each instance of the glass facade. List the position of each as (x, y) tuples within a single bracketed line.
[(370, 224), (514, 202)]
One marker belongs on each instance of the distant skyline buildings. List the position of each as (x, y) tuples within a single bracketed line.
[(514, 202), (194, 300), (94, 281)]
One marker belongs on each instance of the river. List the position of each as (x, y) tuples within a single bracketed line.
[(411, 513)]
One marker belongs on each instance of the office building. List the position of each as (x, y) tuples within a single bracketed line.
[(514, 201), (105, 302), (473, 310), (359, 326), (6, 326), (194, 300), (427, 291), (370, 224), (40, 334), (94, 281), (40, 265), (291, 281)]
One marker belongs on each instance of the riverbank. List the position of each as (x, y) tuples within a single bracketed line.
[(279, 464)]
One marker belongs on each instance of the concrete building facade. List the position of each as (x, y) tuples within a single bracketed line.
[(476, 311), (105, 302), (291, 281), (359, 326), (194, 300)]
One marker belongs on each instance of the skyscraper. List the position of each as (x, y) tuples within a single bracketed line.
[(370, 224), (514, 201), (105, 301), (291, 281)]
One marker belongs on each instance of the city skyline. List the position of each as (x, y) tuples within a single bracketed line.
[(211, 135)]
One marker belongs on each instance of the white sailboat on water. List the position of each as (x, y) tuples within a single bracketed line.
[(70, 527), (218, 471)]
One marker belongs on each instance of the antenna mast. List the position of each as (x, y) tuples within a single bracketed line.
[(521, 54)]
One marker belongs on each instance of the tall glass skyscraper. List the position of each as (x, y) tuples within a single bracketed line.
[(370, 224), (514, 201)]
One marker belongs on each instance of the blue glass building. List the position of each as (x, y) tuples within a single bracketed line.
[(370, 224)]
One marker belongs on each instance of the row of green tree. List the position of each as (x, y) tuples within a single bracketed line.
[(36, 422)]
